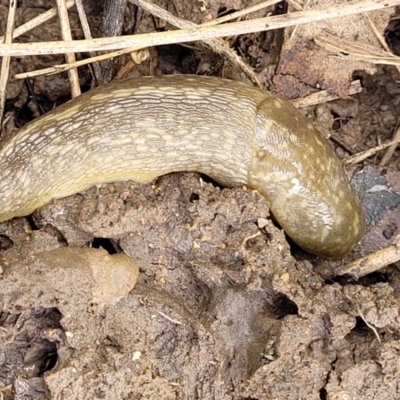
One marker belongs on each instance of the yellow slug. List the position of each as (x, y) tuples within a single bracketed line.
[(142, 128)]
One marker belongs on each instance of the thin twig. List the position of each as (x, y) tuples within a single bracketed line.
[(396, 137), (373, 262), (39, 20), (297, 6), (139, 56), (389, 152), (218, 45), (368, 153), (174, 321), (70, 56), (350, 50), (338, 140), (200, 33), (377, 33), (370, 326), (241, 13), (247, 238), (324, 96), (88, 35), (5, 65)]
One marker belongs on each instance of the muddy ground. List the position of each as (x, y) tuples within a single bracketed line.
[(182, 289)]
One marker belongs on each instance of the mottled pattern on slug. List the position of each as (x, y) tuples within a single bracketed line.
[(143, 128), (311, 196)]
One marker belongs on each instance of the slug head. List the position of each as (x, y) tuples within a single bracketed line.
[(298, 172)]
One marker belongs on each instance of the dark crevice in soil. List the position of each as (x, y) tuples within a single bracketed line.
[(106, 244)]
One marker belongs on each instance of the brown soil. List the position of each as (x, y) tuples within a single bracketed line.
[(181, 289)]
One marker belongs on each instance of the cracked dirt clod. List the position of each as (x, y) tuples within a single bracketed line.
[(221, 309)]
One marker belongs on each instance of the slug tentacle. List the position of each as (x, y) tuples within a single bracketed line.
[(140, 129)]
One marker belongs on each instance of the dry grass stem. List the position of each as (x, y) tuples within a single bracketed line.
[(174, 321), (241, 13), (69, 57), (88, 35), (370, 326), (350, 50), (298, 6), (323, 96), (218, 45), (39, 20), (5, 65), (195, 34), (359, 157), (139, 56), (389, 152), (372, 262), (376, 32)]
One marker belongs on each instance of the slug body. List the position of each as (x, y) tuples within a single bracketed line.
[(142, 128)]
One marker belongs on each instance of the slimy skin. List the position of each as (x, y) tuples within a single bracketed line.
[(142, 128)]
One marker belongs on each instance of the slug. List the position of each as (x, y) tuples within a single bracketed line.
[(142, 128)]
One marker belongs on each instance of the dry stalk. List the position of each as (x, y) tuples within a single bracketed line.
[(389, 152), (323, 96), (218, 45), (5, 65), (39, 20), (347, 49), (139, 56), (88, 35), (359, 157), (194, 34), (69, 57), (372, 262), (241, 13)]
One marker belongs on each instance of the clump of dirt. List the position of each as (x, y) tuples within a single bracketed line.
[(220, 310)]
